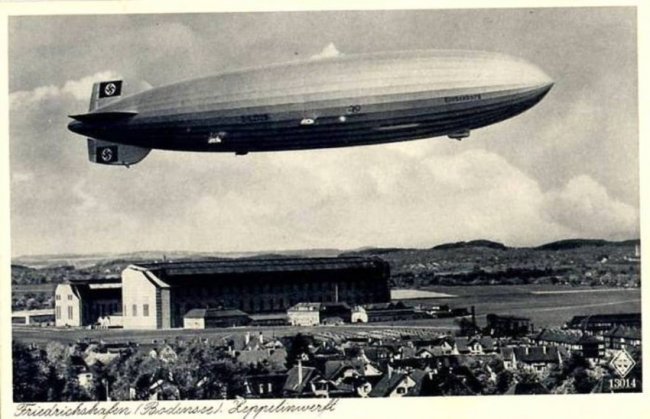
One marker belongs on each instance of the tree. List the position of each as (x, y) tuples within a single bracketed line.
[(30, 374)]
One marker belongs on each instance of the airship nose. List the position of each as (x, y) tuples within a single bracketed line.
[(533, 76)]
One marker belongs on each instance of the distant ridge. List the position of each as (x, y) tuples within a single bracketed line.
[(473, 243), (578, 243)]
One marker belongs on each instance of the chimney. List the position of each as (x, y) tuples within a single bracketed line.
[(299, 371), (261, 338), (474, 317)]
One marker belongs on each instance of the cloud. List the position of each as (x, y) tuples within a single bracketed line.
[(329, 51), (585, 208), (71, 89)]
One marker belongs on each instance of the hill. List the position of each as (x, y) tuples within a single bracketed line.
[(471, 244), (580, 243)]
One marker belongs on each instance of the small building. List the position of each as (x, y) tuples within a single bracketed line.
[(573, 341), (507, 326), (269, 319), (312, 314), (474, 345), (601, 323), (33, 317), (304, 314), (393, 311), (207, 318), (84, 302), (621, 337), (534, 358), (358, 315)]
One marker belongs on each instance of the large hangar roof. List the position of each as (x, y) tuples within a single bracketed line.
[(251, 266)]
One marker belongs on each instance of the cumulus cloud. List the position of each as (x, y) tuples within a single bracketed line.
[(329, 51), (71, 89), (586, 208)]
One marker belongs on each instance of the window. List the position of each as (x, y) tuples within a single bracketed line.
[(58, 296), (70, 313), (135, 309), (145, 310), (69, 297), (58, 312)]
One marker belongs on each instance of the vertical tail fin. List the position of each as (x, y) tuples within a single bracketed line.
[(104, 152), (104, 93)]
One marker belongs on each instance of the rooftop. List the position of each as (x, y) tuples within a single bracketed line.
[(262, 265), (200, 313)]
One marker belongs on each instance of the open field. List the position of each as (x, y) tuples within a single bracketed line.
[(545, 310), (409, 294), (551, 309)]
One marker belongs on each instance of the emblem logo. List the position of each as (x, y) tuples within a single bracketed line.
[(622, 363), (106, 154), (110, 89)]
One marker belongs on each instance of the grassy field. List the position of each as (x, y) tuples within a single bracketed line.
[(551, 309)]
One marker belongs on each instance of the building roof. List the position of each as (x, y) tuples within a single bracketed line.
[(393, 305), (88, 291), (559, 336), (276, 357), (537, 354), (37, 312), (586, 321), (387, 384), (293, 384), (334, 368), (305, 307), (418, 376), (213, 313), (623, 332), (167, 270)]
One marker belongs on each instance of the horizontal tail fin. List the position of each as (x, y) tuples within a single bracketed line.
[(104, 152), (103, 116)]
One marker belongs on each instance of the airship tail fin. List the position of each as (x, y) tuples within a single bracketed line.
[(104, 152), (105, 92)]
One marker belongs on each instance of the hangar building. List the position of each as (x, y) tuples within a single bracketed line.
[(158, 295), (85, 302)]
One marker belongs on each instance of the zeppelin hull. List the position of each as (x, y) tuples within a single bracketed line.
[(335, 103)]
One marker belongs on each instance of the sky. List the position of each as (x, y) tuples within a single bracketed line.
[(566, 168)]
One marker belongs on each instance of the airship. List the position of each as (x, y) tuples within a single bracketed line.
[(342, 101)]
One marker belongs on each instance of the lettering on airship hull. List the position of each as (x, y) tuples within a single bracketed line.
[(262, 117), (462, 98)]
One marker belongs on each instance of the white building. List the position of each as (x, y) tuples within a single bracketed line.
[(83, 303)]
